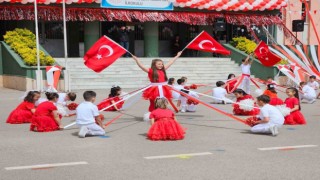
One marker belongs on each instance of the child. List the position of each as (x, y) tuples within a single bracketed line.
[(46, 117), (292, 102), (219, 93), (185, 104), (270, 81), (178, 87), (114, 97), (164, 125), (62, 102), (245, 68), (308, 93), (272, 94), (230, 83), (24, 112), (313, 83), (158, 77), (247, 100), (192, 105), (171, 81), (270, 118)]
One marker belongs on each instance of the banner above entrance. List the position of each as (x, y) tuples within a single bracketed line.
[(138, 4)]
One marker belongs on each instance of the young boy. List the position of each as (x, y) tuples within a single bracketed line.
[(245, 68), (88, 115), (308, 93), (178, 87), (314, 84), (219, 93), (62, 102), (183, 102), (270, 117)]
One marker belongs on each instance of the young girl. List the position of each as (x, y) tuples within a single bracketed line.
[(171, 81), (241, 97), (46, 117), (230, 83), (164, 125), (292, 102), (24, 112), (272, 93), (158, 78), (114, 97)]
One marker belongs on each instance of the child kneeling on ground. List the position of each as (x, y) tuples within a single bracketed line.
[(88, 115), (270, 118)]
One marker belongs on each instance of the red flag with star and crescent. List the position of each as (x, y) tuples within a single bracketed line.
[(102, 54), (264, 55), (204, 42)]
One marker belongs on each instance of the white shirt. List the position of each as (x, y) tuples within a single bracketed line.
[(86, 113), (219, 94), (62, 99), (274, 115), (314, 85), (176, 95), (309, 91), (245, 69)]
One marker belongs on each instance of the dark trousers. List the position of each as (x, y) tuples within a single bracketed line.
[(125, 44)]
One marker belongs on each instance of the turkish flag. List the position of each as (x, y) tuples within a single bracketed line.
[(102, 54), (264, 55), (204, 42)]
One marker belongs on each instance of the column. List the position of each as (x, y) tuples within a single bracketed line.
[(209, 30), (151, 39), (91, 34)]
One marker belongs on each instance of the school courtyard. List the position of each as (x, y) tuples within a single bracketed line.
[(215, 147)]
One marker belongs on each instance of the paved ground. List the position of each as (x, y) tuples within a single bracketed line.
[(232, 151)]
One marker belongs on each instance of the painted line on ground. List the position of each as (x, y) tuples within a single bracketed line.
[(178, 155), (287, 147), (39, 166)]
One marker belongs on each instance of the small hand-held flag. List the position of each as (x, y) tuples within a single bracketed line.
[(102, 54), (264, 55), (204, 42)]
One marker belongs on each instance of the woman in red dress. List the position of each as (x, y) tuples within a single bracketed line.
[(46, 117), (292, 102), (24, 112), (241, 96), (114, 97), (230, 83), (158, 78), (272, 93), (164, 125)]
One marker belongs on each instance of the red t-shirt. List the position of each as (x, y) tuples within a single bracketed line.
[(161, 113), (45, 109), (161, 76), (291, 102), (25, 105)]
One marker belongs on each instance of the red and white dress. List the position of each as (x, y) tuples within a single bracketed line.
[(22, 113), (238, 111), (108, 102), (43, 120), (294, 117), (159, 88), (165, 127), (274, 100), (230, 85)]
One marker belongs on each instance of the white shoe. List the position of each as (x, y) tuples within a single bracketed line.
[(83, 131), (312, 101), (274, 130), (146, 116)]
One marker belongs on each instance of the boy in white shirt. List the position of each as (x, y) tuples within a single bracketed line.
[(314, 84), (62, 102), (270, 117), (88, 115), (183, 101), (245, 68), (219, 93), (308, 93), (179, 86)]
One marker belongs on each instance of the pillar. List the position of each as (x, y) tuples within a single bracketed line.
[(91, 34), (209, 30), (151, 39)]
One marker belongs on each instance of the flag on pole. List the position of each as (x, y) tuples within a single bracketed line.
[(204, 42), (264, 55), (102, 54)]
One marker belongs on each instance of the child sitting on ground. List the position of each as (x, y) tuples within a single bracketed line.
[(179, 86), (219, 93), (270, 118), (62, 102), (231, 82), (308, 93), (245, 104), (272, 94), (292, 102), (164, 125), (113, 98), (88, 115)]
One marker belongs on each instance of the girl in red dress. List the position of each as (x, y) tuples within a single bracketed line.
[(24, 112), (46, 117), (114, 97), (158, 78), (241, 96), (230, 83), (272, 93), (164, 125), (292, 102)]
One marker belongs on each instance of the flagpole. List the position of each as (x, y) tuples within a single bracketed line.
[(257, 46), (38, 72), (66, 73), (118, 44), (192, 40)]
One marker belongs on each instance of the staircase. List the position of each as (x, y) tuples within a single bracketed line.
[(126, 74)]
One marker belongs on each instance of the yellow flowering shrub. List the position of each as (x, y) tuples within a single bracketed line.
[(23, 42), (243, 44), (283, 62)]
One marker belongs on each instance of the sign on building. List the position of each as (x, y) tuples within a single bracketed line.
[(138, 4)]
